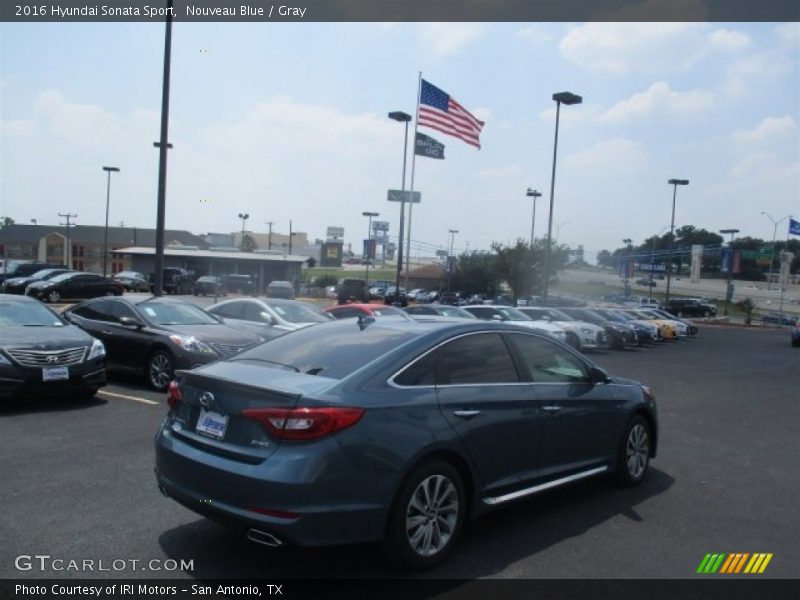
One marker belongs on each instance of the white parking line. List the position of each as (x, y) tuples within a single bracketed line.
[(124, 397)]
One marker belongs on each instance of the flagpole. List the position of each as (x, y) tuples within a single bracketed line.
[(413, 165)]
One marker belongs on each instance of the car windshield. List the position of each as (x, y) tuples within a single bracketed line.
[(207, 279), (62, 277), (299, 313), (44, 274), (176, 313), (27, 315), (558, 315), (333, 351), (130, 275), (454, 311), (512, 313)]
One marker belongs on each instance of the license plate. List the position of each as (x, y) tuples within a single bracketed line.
[(55, 373), (212, 424)]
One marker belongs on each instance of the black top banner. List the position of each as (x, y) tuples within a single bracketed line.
[(400, 10)]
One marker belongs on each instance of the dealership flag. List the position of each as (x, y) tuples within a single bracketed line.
[(427, 146), (439, 111), (794, 227)]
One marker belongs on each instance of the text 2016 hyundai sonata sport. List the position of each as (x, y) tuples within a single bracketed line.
[(357, 431)]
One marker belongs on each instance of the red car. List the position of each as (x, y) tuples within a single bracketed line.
[(346, 311)]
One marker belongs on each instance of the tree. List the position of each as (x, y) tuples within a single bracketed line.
[(604, 259), (518, 266), (4, 221), (248, 243), (476, 274)]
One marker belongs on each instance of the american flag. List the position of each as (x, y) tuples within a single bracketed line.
[(439, 111)]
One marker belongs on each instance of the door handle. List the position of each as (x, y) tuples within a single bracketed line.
[(466, 414), (108, 332), (551, 409)]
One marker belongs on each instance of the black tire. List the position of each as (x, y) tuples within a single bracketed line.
[(86, 394), (53, 296), (706, 314), (421, 535), (680, 313), (160, 370), (633, 457)]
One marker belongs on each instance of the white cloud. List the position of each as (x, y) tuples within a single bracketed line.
[(768, 128), (729, 41), (447, 39), (621, 48), (659, 98), (609, 157)]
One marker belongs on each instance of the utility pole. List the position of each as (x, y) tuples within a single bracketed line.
[(269, 234), (68, 253)]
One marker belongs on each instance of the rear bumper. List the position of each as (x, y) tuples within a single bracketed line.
[(322, 495)]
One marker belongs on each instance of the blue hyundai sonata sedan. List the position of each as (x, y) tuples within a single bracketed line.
[(366, 430)]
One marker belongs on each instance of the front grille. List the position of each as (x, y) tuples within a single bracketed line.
[(43, 358), (227, 350)]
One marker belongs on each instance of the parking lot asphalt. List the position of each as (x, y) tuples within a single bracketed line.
[(77, 483)]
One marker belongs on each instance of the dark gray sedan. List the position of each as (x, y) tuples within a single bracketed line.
[(158, 335), (43, 355), (393, 430)]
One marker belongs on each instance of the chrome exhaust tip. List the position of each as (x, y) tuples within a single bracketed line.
[(263, 538)]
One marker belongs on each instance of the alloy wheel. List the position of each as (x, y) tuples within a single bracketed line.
[(432, 515), (637, 451)]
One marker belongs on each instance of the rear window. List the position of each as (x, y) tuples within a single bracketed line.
[(333, 351)]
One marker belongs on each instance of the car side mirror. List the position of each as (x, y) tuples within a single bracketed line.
[(598, 375), (130, 322), (268, 318), (497, 318)]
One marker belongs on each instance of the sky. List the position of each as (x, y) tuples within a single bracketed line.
[(288, 121)]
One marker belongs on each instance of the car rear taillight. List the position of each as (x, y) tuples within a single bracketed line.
[(173, 395), (304, 423)]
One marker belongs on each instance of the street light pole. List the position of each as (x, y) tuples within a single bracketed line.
[(560, 98), (728, 291), (243, 217), (450, 261), (108, 170), (401, 117), (269, 234), (163, 145), (369, 214), (674, 183), (533, 194), (774, 238)]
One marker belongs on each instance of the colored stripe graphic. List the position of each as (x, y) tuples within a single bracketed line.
[(730, 564), (711, 563), (758, 563)]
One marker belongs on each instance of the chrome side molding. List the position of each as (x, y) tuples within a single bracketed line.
[(544, 486)]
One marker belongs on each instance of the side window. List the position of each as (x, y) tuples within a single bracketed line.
[(479, 358), (96, 311), (252, 312), (229, 311), (547, 362), (420, 372), (120, 309)]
